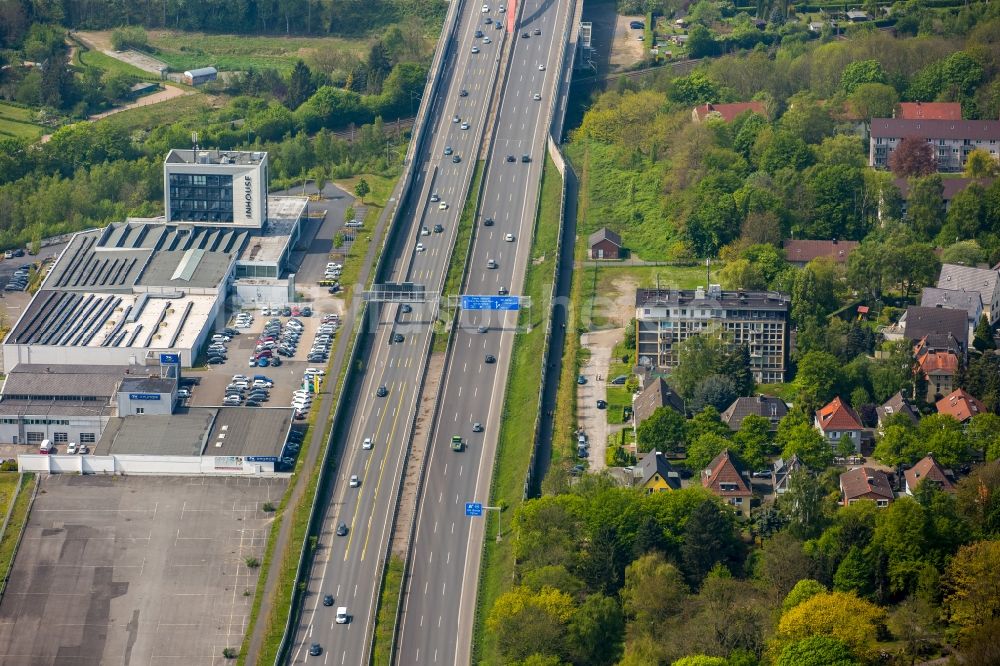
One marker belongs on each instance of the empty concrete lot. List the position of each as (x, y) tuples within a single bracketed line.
[(138, 570)]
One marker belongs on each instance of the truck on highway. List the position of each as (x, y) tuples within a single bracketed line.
[(456, 443)]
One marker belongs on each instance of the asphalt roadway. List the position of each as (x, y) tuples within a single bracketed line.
[(349, 567), (439, 606)]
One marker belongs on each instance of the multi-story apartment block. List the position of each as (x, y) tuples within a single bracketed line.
[(953, 140), (667, 317)]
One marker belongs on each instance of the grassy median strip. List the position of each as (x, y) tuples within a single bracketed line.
[(392, 587), (456, 269), (18, 517), (517, 430)]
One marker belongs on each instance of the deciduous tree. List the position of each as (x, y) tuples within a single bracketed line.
[(912, 157), (841, 616), (662, 430)]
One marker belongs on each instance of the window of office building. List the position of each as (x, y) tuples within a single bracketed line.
[(201, 198), (87, 437), (60, 437)]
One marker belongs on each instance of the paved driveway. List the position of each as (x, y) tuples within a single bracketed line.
[(590, 419)]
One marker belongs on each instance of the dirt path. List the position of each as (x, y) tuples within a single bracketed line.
[(627, 48), (168, 92), (589, 418)]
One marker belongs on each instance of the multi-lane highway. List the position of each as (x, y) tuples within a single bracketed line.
[(439, 599), (348, 565)]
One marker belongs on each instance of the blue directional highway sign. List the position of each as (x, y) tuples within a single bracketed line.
[(473, 509), (491, 302)]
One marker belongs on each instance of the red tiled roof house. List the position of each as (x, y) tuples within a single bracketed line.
[(865, 483), (960, 405), (838, 422), (927, 469), (724, 477)]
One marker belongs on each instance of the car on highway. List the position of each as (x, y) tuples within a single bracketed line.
[(367, 444), (486, 40), (509, 238), (382, 391), (503, 291), (315, 650), (342, 529), (525, 158), (511, 158), (328, 600), (456, 443), (483, 329), (479, 33), (464, 126), (501, 9), (488, 222), (463, 93), (525, 34), (443, 205), (488, 20), (438, 228), (342, 615), (536, 31), (536, 96), (406, 308), (486, 9), (456, 159), (475, 49), (420, 247), (435, 197), (424, 231), (491, 263), (541, 67), (448, 150), (397, 337), (456, 119), (477, 427), (355, 481), (490, 358)]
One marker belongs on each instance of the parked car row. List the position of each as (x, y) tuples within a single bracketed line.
[(290, 450), (243, 320), (320, 350), (243, 390), (287, 311), (19, 280), (217, 350), (302, 399), (272, 342)]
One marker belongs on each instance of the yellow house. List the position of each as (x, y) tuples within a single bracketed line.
[(656, 475)]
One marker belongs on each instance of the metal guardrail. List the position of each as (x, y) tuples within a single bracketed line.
[(316, 512)]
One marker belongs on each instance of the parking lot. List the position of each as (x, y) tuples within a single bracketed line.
[(140, 570), (211, 387)]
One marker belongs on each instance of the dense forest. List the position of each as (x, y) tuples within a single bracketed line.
[(336, 17)]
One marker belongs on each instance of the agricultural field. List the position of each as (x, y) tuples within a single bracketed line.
[(18, 122)]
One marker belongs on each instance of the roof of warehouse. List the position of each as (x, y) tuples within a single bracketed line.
[(249, 431), (187, 268), (181, 434), (55, 408), (70, 380), (148, 384)]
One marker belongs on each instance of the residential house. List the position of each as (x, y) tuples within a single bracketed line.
[(955, 299), (727, 112), (858, 16), (952, 139), (930, 111), (759, 319), (655, 474), (928, 469), (865, 483), (605, 244), (944, 328), (781, 473), (984, 280), (726, 478), (960, 405), (771, 408), (939, 368), (654, 395), (950, 187), (801, 252), (895, 405), (838, 422)]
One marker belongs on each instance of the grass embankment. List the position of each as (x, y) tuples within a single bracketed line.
[(517, 430), (187, 107), (87, 57), (18, 517), (187, 50), (385, 622), (456, 269), (375, 201), (19, 123), (300, 512)]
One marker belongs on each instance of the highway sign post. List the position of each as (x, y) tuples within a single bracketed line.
[(506, 303), (475, 510)]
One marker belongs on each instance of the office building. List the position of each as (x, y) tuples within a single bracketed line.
[(216, 187)]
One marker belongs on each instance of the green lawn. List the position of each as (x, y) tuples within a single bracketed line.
[(618, 399), (517, 432), (18, 122), (375, 201), (187, 50), (86, 57)]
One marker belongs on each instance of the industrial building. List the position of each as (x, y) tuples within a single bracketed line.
[(124, 294), (667, 317)]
